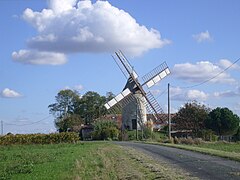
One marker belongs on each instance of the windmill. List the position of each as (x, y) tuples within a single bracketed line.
[(134, 101)]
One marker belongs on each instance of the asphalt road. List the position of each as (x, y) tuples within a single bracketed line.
[(197, 164)]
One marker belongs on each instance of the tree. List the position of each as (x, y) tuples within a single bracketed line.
[(105, 129), (71, 123), (66, 103), (64, 108), (222, 121), (70, 108), (91, 106), (191, 117)]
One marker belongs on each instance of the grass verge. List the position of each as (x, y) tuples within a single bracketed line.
[(90, 160), (224, 150)]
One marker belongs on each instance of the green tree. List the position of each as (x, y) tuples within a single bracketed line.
[(66, 103), (222, 121), (105, 129), (191, 117), (70, 108), (91, 106), (65, 106), (70, 123)]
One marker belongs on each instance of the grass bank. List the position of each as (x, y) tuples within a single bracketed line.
[(90, 160), (221, 149)]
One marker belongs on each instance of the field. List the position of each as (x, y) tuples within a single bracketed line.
[(89, 160)]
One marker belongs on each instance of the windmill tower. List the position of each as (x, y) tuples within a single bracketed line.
[(134, 101)]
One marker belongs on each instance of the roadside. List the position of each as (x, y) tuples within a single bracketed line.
[(227, 153), (196, 164)]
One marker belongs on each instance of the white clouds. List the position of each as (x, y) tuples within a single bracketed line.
[(9, 93), (179, 94), (203, 36), (78, 87), (200, 72), (39, 58), (225, 63), (72, 26), (229, 93), (59, 6)]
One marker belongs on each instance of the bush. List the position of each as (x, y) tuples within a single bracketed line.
[(55, 138), (105, 130), (188, 141), (208, 135)]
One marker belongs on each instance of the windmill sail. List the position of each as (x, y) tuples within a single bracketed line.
[(156, 75), (124, 65), (120, 100)]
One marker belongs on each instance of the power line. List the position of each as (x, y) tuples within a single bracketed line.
[(195, 85), (165, 91), (10, 124)]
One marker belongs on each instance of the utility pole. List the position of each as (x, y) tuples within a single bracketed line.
[(169, 115), (2, 127)]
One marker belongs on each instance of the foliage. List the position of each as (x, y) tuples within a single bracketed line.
[(191, 117), (146, 134), (70, 110), (207, 135), (65, 106), (188, 141), (39, 138), (91, 106), (70, 123), (105, 129), (222, 121), (237, 135), (66, 103)]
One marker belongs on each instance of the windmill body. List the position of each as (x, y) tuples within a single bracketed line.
[(133, 100), (134, 114)]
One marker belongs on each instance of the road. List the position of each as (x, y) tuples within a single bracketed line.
[(197, 164)]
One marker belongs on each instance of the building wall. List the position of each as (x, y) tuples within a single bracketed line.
[(134, 110)]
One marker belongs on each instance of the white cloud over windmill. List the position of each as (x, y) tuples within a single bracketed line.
[(71, 26)]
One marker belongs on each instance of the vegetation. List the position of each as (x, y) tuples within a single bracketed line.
[(81, 161), (70, 110), (222, 121), (105, 130), (39, 138), (191, 117), (221, 149), (199, 122)]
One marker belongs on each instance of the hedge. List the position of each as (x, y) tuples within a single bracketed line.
[(54, 138)]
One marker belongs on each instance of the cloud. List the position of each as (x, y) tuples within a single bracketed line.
[(78, 87), (39, 57), (9, 93), (225, 63), (179, 94), (72, 26), (229, 93), (203, 36), (200, 72)]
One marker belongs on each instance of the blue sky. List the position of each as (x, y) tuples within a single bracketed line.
[(50, 45)]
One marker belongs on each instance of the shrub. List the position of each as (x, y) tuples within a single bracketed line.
[(55, 138), (176, 140), (105, 130), (208, 135)]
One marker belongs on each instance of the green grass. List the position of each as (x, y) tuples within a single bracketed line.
[(222, 146), (90, 160), (221, 149)]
